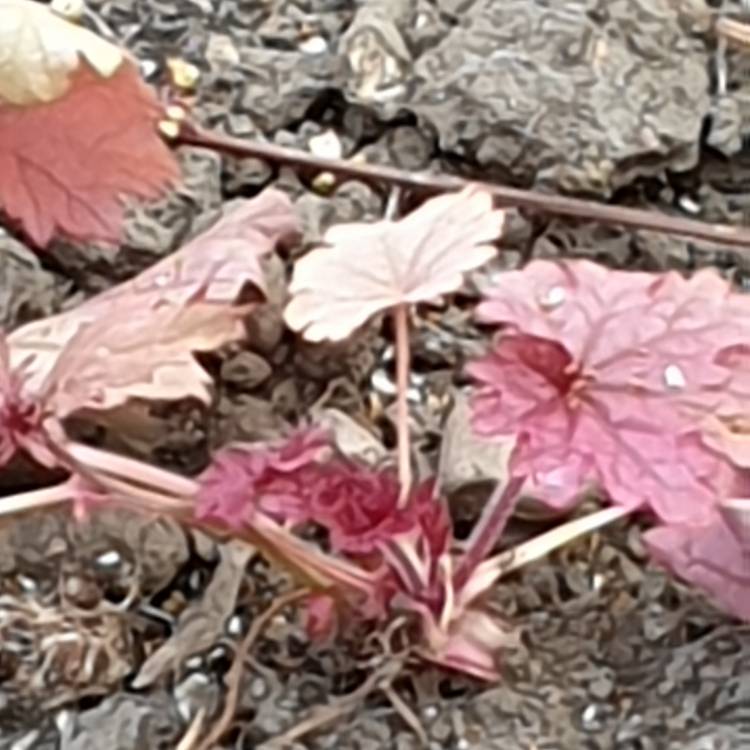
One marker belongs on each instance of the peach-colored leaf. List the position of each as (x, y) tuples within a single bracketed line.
[(146, 355), (363, 269), (78, 129), (138, 339), (729, 437), (42, 51)]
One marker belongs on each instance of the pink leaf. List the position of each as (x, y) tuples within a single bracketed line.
[(78, 128), (366, 268), (608, 372), (359, 507), (297, 481), (660, 334), (708, 556), (403, 555), (138, 339), (636, 445)]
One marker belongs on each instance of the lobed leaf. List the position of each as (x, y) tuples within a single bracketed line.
[(78, 129), (403, 554), (137, 340), (302, 480), (611, 374), (274, 479), (363, 269), (660, 334)]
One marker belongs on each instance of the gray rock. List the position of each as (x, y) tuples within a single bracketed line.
[(580, 96), (120, 723)]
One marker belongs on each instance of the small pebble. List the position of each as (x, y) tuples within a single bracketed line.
[(326, 145), (29, 585), (430, 712), (234, 626), (109, 559), (148, 68), (258, 688), (194, 663), (314, 45)]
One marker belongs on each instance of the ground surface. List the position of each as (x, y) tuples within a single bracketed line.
[(117, 633)]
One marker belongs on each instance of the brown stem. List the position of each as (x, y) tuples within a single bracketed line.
[(632, 218), (401, 319), (234, 676)]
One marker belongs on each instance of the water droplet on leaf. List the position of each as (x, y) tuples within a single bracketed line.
[(553, 297), (674, 377)]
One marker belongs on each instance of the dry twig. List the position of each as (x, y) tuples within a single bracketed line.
[(381, 679), (387, 667), (234, 676)]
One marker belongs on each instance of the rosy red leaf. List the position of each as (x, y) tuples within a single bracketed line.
[(10, 406), (138, 339), (364, 269), (21, 416), (636, 444), (273, 478), (708, 556), (297, 481), (403, 554), (78, 129), (358, 505)]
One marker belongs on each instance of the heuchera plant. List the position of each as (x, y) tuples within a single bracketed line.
[(631, 382)]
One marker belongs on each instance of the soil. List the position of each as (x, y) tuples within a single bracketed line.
[(118, 632)]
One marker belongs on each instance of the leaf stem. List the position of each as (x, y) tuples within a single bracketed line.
[(25, 501), (545, 543), (494, 568), (426, 184), (401, 320), (489, 527), (130, 470)]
